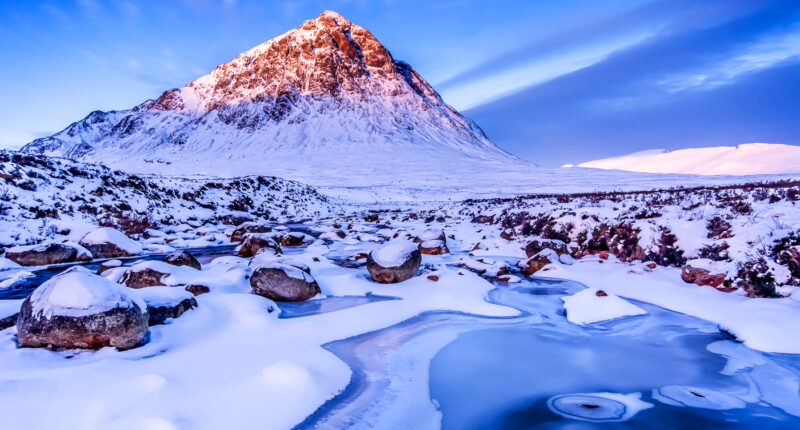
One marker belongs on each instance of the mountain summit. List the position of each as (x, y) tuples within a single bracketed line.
[(324, 103)]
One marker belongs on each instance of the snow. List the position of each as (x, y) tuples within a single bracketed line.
[(586, 307), (758, 323), (394, 253), (6, 264), (163, 296), (79, 293), (109, 235), (744, 159)]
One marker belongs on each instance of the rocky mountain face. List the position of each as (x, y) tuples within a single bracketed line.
[(323, 103)]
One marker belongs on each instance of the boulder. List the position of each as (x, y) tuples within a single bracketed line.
[(158, 273), (197, 289), (105, 242), (254, 242), (40, 255), (78, 309), (83, 254), (239, 234), (182, 258), (433, 247), (690, 274), (432, 234), (283, 282), (106, 265), (395, 261), (295, 238), (536, 246), (534, 264), (141, 277)]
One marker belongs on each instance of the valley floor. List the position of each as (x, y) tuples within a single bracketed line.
[(537, 306)]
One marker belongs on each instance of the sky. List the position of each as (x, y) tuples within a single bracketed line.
[(553, 82)]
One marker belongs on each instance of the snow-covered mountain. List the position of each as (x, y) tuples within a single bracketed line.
[(323, 103), (745, 159)]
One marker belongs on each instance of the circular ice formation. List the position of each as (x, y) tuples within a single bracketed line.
[(695, 397), (587, 407)]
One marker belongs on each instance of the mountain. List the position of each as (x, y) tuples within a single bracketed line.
[(324, 103), (745, 159)]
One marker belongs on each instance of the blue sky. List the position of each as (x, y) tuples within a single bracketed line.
[(551, 81)]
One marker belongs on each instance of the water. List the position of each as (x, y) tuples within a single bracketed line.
[(21, 290), (540, 371)]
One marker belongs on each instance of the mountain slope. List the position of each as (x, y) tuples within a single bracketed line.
[(746, 159), (323, 103)]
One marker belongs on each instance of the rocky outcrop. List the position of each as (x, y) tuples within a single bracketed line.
[(534, 264), (537, 245)]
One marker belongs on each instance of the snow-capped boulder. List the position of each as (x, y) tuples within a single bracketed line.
[(433, 247), (283, 282), (78, 309), (164, 303), (432, 234), (105, 242), (238, 235), (106, 265), (255, 243), (395, 261), (591, 305), (156, 273), (42, 254), (703, 276), (538, 261), (537, 245), (197, 289), (182, 258)]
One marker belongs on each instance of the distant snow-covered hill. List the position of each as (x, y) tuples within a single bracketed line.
[(745, 159), (324, 103)]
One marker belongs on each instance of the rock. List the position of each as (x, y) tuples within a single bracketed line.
[(295, 238), (233, 219), (182, 258), (536, 246), (255, 242), (371, 218), (689, 274), (433, 247), (395, 261), (197, 289), (432, 234), (164, 303), (535, 264), (248, 227), (78, 309), (83, 254), (651, 265), (483, 219), (105, 242), (106, 265), (433, 278), (601, 293), (40, 255), (711, 280), (282, 282), (8, 321), (143, 277)]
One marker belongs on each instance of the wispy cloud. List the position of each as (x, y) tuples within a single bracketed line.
[(753, 57)]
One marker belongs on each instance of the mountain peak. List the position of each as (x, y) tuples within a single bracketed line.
[(327, 56), (323, 100)]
